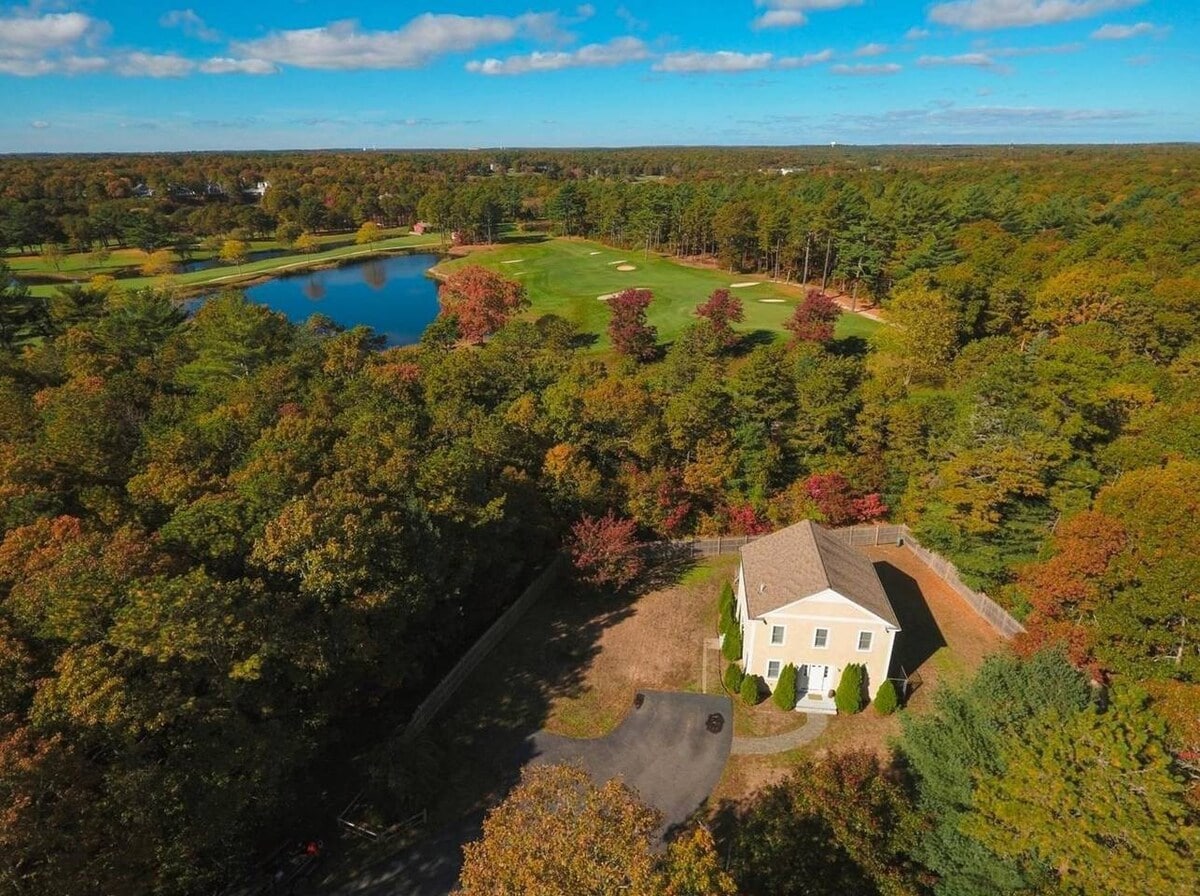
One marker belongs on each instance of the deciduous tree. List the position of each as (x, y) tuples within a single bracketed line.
[(481, 300), (605, 551), (630, 334)]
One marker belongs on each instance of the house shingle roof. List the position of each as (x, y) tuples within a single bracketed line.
[(804, 559)]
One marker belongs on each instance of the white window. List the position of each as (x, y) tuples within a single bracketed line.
[(821, 637), (772, 668), (777, 634), (864, 640)]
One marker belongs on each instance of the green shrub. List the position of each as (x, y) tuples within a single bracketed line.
[(886, 698), (726, 601), (731, 648), (733, 678), (752, 689), (784, 694), (849, 696)]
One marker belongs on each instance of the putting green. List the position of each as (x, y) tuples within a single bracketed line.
[(565, 277)]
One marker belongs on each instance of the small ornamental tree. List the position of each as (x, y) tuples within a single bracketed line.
[(784, 694), (630, 334), (368, 233), (482, 300), (731, 647), (751, 690), (814, 318), (849, 696), (305, 243), (733, 678), (887, 701), (605, 551), (721, 311)]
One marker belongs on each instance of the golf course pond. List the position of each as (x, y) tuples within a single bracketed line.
[(392, 295)]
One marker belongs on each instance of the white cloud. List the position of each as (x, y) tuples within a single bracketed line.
[(791, 13), (225, 65), (861, 70), (615, 52), (187, 21), (808, 59), (872, 50), (780, 18), (916, 34), (975, 60), (344, 45), (1124, 32), (39, 124), (153, 65), (984, 119), (32, 44), (1017, 52), (979, 15), (720, 61)]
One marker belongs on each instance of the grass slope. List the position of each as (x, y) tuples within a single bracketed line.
[(566, 276)]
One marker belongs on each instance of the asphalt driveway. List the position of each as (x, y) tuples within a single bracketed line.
[(663, 750)]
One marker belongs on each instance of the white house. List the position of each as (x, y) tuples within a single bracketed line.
[(807, 598)]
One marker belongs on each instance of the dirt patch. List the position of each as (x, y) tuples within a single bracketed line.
[(637, 652)]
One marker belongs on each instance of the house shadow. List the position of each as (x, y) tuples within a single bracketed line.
[(920, 637)]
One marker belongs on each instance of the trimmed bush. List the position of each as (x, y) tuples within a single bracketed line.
[(886, 698), (849, 696), (731, 648), (752, 690), (733, 678), (784, 694), (725, 602)]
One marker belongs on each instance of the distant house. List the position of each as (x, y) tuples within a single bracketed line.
[(141, 191), (420, 227), (259, 189), (807, 598)]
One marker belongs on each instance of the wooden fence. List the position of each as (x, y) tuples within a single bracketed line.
[(447, 687), (870, 536)]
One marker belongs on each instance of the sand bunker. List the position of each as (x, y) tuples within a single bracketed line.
[(622, 261), (593, 253), (745, 284), (626, 267), (607, 296), (773, 301), (513, 261)]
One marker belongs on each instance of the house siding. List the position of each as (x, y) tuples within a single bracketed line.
[(829, 610)]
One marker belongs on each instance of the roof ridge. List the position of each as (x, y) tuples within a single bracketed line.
[(812, 529)]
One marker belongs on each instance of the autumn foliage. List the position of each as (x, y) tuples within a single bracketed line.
[(814, 318), (838, 503), (630, 334), (605, 551), (722, 310), (481, 300)]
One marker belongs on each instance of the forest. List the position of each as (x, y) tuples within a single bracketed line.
[(235, 550)]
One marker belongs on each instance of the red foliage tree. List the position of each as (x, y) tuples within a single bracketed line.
[(481, 300), (743, 519), (814, 318), (630, 334), (605, 551), (722, 310), (838, 503), (1065, 590)]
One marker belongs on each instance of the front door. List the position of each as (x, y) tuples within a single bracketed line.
[(818, 680)]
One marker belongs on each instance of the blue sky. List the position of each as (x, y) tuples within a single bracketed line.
[(105, 75)]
